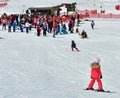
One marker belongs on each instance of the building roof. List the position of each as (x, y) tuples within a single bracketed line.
[(45, 7)]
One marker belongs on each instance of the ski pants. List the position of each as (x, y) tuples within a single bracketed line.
[(74, 48), (98, 81)]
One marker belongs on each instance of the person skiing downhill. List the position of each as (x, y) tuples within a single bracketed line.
[(73, 46), (96, 75)]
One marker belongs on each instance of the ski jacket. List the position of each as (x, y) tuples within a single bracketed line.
[(92, 23), (44, 27), (73, 44), (39, 28), (95, 71)]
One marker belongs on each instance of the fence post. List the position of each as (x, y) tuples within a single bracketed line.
[(110, 15), (98, 15)]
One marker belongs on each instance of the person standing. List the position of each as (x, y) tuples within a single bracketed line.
[(92, 24), (50, 25), (27, 26), (4, 23), (38, 30), (9, 26), (96, 75), (44, 29), (21, 27), (54, 28), (70, 29), (14, 25)]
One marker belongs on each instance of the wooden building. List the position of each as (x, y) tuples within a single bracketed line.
[(52, 10)]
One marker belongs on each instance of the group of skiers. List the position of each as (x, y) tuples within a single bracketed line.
[(55, 27), (14, 22), (42, 24)]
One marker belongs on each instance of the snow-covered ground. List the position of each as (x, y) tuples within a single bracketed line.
[(45, 67)]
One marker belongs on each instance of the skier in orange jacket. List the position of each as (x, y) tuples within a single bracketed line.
[(96, 75)]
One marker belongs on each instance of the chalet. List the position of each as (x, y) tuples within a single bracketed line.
[(51, 10)]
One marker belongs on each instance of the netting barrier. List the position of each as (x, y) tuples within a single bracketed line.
[(95, 14), (2, 4)]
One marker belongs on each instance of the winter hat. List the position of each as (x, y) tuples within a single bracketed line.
[(72, 41), (96, 59)]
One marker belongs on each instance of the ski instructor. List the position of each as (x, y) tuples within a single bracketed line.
[(96, 75)]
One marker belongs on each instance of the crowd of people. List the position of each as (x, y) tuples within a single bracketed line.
[(42, 24)]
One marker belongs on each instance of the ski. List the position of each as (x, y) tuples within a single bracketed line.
[(105, 91), (96, 90)]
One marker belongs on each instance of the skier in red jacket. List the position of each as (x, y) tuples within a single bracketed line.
[(96, 75)]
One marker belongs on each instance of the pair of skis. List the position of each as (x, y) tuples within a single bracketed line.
[(96, 90)]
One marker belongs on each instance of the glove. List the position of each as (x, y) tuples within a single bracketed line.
[(100, 77), (91, 77)]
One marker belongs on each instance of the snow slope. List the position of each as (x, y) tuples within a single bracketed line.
[(45, 67)]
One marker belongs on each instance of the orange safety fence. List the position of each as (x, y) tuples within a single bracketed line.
[(104, 15), (100, 15), (95, 14), (3, 4), (94, 11), (115, 16)]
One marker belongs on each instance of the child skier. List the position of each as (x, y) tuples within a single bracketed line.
[(84, 34), (92, 24), (73, 46), (96, 75)]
